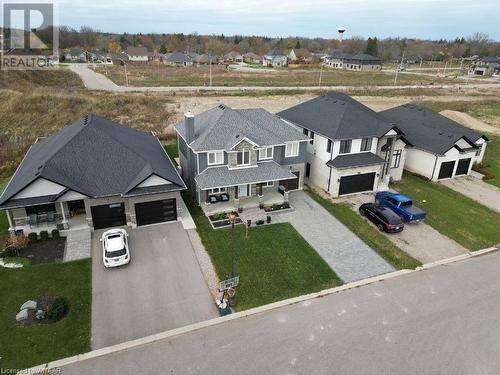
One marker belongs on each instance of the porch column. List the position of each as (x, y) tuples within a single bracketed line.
[(261, 196), (12, 228), (391, 155), (64, 221), (285, 195), (236, 198)]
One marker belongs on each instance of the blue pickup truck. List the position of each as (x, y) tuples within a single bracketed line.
[(401, 205)]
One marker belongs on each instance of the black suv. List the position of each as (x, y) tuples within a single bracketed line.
[(385, 219)]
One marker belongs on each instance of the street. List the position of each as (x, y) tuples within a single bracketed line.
[(445, 320)]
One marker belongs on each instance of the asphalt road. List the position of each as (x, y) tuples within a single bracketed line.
[(162, 288), (97, 81), (445, 320)]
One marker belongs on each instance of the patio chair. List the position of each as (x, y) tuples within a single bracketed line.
[(212, 199), (224, 197), (33, 220), (51, 217)]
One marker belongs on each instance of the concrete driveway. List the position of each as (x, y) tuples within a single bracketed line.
[(420, 240), (162, 288), (478, 190), (345, 253)]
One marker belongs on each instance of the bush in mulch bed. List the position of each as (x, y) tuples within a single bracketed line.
[(221, 216), (44, 251), (55, 309), (225, 223), (277, 207)]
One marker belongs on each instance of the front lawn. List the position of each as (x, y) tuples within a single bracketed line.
[(4, 224), (274, 262), (368, 234), (172, 150), (462, 219), (23, 347), (490, 166)]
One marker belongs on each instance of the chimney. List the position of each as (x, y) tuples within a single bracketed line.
[(189, 125)]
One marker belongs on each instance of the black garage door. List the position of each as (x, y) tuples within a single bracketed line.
[(463, 166), (292, 184), (446, 170), (356, 183), (155, 212), (108, 215)]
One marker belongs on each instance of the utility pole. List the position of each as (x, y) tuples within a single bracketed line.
[(397, 70), (320, 73), (210, 70)]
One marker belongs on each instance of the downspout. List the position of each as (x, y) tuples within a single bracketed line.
[(330, 175), (434, 168)]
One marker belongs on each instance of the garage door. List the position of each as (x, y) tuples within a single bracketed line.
[(356, 183), (446, 170), (108, 215), (155, 212), (463, 166), (292, 184)]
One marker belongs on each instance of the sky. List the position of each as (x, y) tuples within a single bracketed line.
[(432, 19)]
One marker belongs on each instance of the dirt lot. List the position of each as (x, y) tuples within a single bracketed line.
[(473, 123)]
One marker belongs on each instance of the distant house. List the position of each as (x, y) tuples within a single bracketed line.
[(206, 59), (483, 66), (233, 56), (177, 59), (192, 55), (252, 58), (300, 56), (275, 58), (76, 55), (137, 55), (119, 58), (361, 61)]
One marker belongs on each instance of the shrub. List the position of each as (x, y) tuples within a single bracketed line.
[(17, 242), (32, 237), (55, 234), (58, 309), (9, 252), (44, 235)]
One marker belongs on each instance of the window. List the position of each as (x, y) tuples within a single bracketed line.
[(312, 138), (217, 190), (243, 158), (268, 184), (366, 144), (329, 146), (345, 146), (266, 153), (292, 149), (306, 132), (41, 209), (396, 158), (478, 151), (216, 157)]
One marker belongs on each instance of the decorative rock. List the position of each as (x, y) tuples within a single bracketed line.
[(40, 314), (22, 315), (28, 305)]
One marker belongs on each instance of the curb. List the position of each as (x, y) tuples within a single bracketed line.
[(257, 310)]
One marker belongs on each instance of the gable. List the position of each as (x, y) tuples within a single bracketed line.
[(462, 143), (245, 143), (40, 188), (71, 195), (391, 132), (153, 180)]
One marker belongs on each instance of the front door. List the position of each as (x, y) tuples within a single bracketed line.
[(243, 191)]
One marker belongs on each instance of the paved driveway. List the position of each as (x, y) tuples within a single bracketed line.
[(162, 288), (482, 192), (420, 240), (347, 255)]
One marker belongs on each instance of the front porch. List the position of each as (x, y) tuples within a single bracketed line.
[(267, 199)]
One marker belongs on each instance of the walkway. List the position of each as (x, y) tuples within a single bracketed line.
[(347, 255), (480, 191), (78, 244)]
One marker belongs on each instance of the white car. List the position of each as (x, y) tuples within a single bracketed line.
[(115, 250)]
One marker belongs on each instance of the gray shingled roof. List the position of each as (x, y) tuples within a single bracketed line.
[(355, 160), (137, 51), (96, 157), (222, 176), (365, 58), (338, 116), (178, 57), (428, 130), (221, 128)]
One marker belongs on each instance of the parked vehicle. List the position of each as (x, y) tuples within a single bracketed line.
[(401, 205), (382, 217), (115, 251)]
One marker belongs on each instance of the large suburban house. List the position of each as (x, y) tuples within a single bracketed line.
[(243, 154), (352, 149), (361, 61), (441, 148), (94, 173), (486, 65), (233, 56), (177, 59), (137, 55), (275, 58), (300, 56), (251, 57)]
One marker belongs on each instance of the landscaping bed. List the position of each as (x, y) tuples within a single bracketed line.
[(277, 207), (367, 233), (274, 262), (221, 220), (462, 219), (44, 251)]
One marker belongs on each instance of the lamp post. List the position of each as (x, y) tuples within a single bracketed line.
[(232, 220)]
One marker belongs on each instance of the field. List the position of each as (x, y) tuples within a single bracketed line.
[(161, 75)]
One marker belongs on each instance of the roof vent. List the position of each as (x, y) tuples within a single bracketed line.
[(37, 174), (40, 167), (222, 106), (237, 135), (86, 120)]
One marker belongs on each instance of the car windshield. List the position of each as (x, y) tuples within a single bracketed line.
[(406, 203), (115, 253)]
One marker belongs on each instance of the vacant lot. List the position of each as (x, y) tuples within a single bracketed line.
[(462, 219), (200, 76), (23, 347), (274, 262)]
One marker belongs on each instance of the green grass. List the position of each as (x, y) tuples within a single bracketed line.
[(23, 347), (490, 166), (484, 110), (4, 224), (370, 235), (172, 150), (462, 219), (274, 262)]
